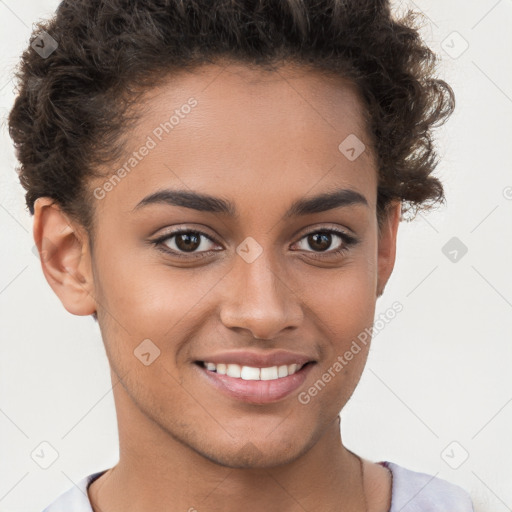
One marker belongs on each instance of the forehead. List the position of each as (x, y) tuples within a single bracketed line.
[(225, 129)]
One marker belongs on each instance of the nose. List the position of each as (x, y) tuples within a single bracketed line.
[(260, 297)]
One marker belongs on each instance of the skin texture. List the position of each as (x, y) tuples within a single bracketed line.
[(261, 140)]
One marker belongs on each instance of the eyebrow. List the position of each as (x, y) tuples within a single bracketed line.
[(207, 203)]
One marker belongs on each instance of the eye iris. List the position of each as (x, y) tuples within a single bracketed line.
[(324, 240), (187, 241)]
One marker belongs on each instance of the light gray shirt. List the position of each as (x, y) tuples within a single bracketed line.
[(411, 492)]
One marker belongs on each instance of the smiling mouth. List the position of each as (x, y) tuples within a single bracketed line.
[(241, 372)]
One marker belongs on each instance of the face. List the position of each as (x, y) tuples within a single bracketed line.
[(260, 272)]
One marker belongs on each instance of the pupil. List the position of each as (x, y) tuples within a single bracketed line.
[(186, 241), (324, 237)]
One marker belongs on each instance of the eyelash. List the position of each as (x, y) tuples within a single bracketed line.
[(348, 241)]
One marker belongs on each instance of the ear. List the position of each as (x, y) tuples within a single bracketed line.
[(65, 257), (387, 245)]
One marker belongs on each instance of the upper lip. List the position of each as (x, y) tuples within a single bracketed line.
[(258, 359)]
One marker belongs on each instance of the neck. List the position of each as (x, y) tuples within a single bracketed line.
[(156, 472)]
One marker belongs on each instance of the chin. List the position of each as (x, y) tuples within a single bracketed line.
[(256, 453), (250, 457)]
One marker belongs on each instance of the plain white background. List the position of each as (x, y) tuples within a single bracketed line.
[(436, 395)]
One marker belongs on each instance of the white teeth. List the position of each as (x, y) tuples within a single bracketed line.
[(269, 373), (282, 371), (251, 373), (233, 370)]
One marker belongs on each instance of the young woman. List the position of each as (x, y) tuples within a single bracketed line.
[(220, 184)]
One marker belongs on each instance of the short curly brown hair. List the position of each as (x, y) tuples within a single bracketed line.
[(73, 106)]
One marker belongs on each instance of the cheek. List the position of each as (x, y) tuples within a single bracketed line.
[(343, 302), (342, 299), (148, 296)]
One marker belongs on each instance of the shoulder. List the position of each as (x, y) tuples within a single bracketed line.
[(76, 498), (413, 491)]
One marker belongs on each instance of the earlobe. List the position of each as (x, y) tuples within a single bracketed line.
[(65, 257), (387, 245)]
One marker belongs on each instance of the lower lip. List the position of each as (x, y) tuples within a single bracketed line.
[(257, 391)]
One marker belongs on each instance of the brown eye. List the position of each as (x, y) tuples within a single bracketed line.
[(321, 241), (188, 241), (185, 242)]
